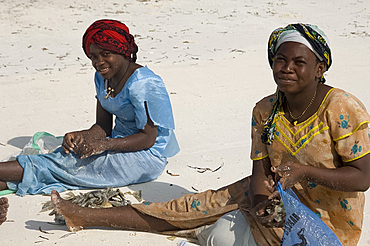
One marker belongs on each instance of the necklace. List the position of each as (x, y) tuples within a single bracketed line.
[(110, 90), (304, 111)]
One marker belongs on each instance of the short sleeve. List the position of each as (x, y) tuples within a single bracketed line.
[(349, 126), (99, 84), (146, 87), (258, 149)]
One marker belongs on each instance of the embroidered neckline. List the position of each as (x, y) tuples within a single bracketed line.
[(281, 111)]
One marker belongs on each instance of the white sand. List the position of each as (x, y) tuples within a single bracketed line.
[(212, 56)]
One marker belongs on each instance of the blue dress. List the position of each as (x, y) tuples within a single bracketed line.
[(60, 171)]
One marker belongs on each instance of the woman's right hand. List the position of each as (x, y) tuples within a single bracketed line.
[(71, 140)]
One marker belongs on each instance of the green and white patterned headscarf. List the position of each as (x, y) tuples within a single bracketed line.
[(315, 40)]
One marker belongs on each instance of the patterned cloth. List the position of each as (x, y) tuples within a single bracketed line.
[(110, 35), (59, 171), (315, 40), (335, 135)]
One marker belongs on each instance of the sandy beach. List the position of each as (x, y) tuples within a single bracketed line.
[(212, 56)]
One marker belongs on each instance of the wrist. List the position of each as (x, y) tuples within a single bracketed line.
[(306, 173), (105, 144), (257, 199)]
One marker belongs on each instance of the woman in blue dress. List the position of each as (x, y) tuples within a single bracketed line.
[(134, 150)]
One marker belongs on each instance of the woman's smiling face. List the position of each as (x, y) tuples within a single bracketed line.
[(106, 63), (296, 68)]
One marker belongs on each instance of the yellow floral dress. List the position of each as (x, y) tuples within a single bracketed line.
[(336, 134)]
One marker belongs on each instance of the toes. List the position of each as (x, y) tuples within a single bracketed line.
[(55, 197), (3, 211), (4, 205), (3, 201), (2, 219), (74, 228), (55, 193)]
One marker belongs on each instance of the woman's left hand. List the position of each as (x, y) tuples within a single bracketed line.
[(266, 215), (289, 174), (89, 148)]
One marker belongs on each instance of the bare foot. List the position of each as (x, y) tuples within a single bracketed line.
[(4, 205), (71, 212)]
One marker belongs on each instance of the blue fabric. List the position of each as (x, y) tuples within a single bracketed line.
[(60, 171), (128, 106)]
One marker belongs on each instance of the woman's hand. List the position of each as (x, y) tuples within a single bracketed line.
[(265, 211), (289, 174), (261, 188), (266, 214), (92, 147), (82, 144), (71, 140)]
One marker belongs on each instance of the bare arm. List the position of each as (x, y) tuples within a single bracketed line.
[(101, 129), (259, 189), (261, 173), (144, 139), (354, 176), (94, 140), (104, 122)]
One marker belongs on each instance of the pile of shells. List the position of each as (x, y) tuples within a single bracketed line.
[(276, 208), (94, 199)]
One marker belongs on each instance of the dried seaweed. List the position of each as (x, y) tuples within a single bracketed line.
[(204, 169)]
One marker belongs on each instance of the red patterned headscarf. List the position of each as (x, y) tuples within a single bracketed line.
[(110, 35)]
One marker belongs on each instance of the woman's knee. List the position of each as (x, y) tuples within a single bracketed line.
[(231, 229)]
